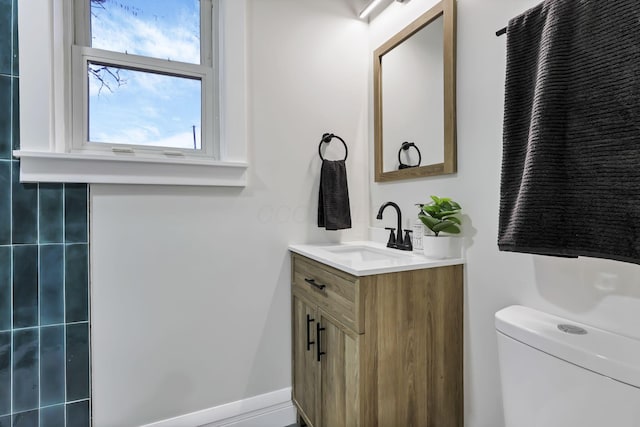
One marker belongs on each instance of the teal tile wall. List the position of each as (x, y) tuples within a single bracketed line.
[(45, 371)]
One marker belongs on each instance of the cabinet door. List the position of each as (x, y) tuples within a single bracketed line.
[(339, 375), (304, 358)]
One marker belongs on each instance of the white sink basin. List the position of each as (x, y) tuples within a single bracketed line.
[(367, 258), (363, 253)]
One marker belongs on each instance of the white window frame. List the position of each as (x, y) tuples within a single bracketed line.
[(82, 55), (53, 105)]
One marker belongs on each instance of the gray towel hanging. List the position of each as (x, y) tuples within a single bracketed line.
[(334, 212), (570, 182)]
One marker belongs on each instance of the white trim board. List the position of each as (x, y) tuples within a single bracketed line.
[(274, 409)]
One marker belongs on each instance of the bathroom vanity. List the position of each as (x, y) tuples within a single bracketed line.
[(377, 337)]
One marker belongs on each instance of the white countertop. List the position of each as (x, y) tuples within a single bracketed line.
[(365, 258)]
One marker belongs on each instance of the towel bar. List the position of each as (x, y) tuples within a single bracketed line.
[(326, 138)]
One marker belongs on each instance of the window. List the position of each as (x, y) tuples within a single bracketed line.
[(147, 70), (142, 91)]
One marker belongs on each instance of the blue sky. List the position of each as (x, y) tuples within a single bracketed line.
[(147, 109)]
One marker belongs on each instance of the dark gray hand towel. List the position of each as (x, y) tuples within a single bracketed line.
[(334, 212), (570, 182)]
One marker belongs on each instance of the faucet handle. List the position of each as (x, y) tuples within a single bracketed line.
[(392, 237), (408, 243)]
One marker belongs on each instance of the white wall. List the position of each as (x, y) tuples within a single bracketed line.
[(190, 291), (596, 292), (190, 286)]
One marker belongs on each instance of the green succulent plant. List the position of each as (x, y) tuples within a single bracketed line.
[(441, 215)]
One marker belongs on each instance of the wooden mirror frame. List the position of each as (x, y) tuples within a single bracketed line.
[(446, 9)]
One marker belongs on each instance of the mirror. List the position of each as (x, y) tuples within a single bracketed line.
[(414, 98)]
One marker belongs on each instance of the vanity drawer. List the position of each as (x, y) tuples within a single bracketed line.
[(333, 291)]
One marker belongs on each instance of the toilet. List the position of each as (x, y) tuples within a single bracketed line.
[(559, 373)]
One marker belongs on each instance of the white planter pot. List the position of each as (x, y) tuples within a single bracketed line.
[(441, 247)]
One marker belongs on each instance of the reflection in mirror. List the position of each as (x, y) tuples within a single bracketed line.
[(414, 98), (405, 148)]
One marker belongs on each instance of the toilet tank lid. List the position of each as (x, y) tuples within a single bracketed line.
[(600, 351)]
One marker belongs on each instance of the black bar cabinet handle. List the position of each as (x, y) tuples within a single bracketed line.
[(312, 282), (309, 342), (318, 330)]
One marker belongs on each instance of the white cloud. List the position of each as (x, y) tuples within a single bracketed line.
[(180, 140), (121, 31)]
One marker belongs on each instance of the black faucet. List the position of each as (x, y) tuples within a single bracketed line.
[(397, 242)]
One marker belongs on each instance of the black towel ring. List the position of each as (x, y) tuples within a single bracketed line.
[(326, 138), (405, 146)]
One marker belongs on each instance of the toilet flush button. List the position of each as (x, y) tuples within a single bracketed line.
[(572, 329)]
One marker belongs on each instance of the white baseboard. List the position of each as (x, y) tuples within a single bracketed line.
[(273, 409)]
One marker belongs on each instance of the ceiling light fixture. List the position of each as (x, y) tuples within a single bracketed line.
[(367, 10), (373, 4)]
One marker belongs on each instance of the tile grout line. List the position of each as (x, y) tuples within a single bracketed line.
[(89, 345), (39, 304), (11, 215), (79, 322), (46, 244), (64, 296), (49, 406)]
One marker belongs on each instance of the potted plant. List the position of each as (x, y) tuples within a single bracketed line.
[(441, 216)]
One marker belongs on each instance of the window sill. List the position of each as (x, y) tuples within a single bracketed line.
[(38, 166)]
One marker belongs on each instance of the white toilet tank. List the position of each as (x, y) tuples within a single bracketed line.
[(559, 373)]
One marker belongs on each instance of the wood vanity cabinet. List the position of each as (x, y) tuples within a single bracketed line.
[(377, 351)]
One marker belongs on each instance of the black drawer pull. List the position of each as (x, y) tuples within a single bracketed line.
[(313, 283), (309, 342), (318, 330)]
